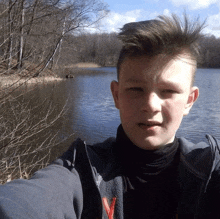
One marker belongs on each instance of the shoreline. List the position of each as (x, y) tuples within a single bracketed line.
[(84, 65), (14, 80)]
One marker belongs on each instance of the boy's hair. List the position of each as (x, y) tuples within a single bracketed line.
[(164, 35)]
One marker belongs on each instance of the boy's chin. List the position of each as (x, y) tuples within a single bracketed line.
[(152, 143)]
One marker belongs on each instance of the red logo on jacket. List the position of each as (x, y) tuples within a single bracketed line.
[(109, 210)]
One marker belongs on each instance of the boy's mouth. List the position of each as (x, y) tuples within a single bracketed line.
[(149, 125)]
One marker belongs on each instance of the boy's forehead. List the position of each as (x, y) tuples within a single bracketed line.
[(156, 67)]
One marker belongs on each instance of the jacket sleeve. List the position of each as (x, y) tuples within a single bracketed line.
[(53, 192)]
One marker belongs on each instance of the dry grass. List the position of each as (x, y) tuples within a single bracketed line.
[(6, 81), (84, 65)]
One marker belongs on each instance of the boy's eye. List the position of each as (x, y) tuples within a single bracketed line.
[(169, 91), (135, 89)]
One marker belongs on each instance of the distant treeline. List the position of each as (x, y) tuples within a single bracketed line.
[(210, 52), (103, 49)]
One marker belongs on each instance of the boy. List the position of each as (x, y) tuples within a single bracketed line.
[(146, 172)]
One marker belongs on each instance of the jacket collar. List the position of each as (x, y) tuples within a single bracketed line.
[(199, 159)]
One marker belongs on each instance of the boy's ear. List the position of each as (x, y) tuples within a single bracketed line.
[(114, 89), (193, 96)]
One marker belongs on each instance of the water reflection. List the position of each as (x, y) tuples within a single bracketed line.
[(92, 111)]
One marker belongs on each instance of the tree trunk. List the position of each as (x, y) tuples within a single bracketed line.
[(60, 43), (21, 42), (10, 36)]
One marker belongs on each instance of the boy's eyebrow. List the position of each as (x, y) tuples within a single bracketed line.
[(133, 80), (171, 83)]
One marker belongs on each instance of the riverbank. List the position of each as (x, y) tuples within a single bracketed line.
[(84, 65), (14, 80), (47, 76)]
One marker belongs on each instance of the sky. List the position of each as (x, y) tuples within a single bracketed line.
[(124, 11)]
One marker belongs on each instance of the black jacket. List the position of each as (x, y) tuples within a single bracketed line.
[(86, 183)]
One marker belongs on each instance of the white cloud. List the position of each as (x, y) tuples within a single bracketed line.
[(114, 21), (194, 4), (213, 25), (166, 12)]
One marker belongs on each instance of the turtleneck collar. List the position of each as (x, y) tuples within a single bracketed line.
[(140, 162)]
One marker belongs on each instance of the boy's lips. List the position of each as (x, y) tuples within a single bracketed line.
[(149, 125)]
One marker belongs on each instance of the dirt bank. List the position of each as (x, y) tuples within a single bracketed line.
[(84, 65), (6, 81)]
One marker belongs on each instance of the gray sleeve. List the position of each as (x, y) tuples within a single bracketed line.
[(53, 192)]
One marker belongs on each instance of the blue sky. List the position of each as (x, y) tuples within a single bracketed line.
[(124, 11)]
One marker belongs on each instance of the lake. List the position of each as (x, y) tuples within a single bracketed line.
[(92, 116)]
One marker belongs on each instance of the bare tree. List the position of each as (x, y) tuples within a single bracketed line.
[(21, 30), (31, 36), (76, 15), (36, 28)]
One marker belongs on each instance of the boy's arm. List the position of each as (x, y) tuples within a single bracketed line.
[(53, 192)]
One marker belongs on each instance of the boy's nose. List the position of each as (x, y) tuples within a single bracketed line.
[(151, 103)]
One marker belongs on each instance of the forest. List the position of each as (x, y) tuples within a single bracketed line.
[(34, 31)]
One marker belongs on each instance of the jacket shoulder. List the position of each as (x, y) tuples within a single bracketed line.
[(215, 147), (201, 158)]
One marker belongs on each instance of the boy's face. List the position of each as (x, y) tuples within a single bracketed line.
[(152, 96)]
